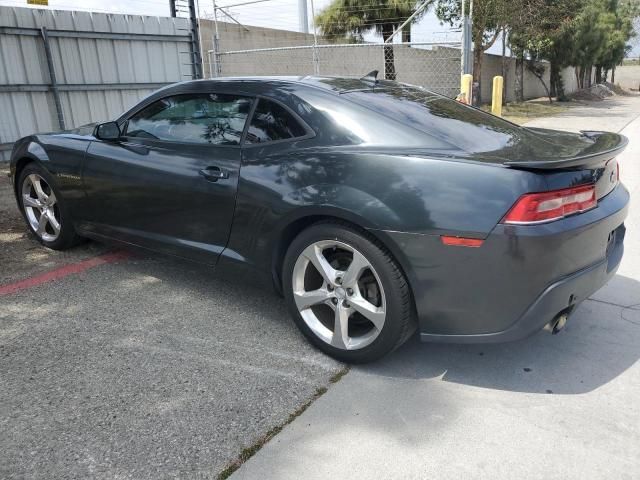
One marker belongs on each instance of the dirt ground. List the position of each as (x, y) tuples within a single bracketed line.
[(21, 255)]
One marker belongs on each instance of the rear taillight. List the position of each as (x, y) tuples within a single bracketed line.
[(543, 207)]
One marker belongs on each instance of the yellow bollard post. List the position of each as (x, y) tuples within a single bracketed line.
[(496, 100), (465, 88)]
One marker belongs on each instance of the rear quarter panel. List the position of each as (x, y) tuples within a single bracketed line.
[(381, 192), (478, 291)]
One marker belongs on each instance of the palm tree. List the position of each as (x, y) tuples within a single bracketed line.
[(351, 19)]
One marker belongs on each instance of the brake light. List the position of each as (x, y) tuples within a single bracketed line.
[(543, 207)]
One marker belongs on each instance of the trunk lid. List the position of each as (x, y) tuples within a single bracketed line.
[(587, 157)]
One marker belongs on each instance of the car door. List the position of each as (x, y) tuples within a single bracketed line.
[(169, 183)]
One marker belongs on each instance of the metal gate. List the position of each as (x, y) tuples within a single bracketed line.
[(61, 69)]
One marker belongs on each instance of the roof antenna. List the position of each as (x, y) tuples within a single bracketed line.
[(372, 76)]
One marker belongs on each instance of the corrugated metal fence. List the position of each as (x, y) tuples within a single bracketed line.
[(62, 69)]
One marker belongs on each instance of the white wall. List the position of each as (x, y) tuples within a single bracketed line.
[(628, 76), (492, 66)]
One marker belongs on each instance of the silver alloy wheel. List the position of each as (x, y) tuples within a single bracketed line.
[(39, 203), (353, 294)]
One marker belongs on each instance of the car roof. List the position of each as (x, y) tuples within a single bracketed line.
[(331, 83), (335, 85)]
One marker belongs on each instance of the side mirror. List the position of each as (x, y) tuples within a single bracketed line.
[(107, 131)]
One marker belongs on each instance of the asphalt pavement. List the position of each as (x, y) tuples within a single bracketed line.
[(549, 407), (136, 367)]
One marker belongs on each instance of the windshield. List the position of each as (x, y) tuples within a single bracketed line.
[(443, 118)]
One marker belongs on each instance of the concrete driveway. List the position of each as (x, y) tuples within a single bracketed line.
[(563, 406)]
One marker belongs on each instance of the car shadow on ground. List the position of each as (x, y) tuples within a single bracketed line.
[(599, 343)]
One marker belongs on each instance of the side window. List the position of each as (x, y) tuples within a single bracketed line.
[(272, 122), (217, 119)]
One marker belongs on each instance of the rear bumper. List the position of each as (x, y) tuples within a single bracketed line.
[(520, 279), (561, 296)]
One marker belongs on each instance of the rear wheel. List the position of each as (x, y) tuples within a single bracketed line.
[(44, 210), (346, 293)]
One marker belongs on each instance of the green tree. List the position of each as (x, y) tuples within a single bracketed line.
[(350, 20), (542, 33), (575, 33), (488, 21), (555, 41), (599, 36), (521, 18), (617, 25), (588, 39)]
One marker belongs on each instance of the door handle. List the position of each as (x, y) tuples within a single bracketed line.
[(213, 174)]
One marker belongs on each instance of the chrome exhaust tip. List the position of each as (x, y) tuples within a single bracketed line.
[(557, 324)]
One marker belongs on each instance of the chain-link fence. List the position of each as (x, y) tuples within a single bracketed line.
[(435, 66)]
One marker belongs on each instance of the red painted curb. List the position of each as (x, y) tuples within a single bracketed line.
[(64, 271)]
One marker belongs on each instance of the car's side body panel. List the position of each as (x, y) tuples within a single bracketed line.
[(154, 195), (379, 191), (62, 156)]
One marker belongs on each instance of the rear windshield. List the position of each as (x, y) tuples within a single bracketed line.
[(445, 119)]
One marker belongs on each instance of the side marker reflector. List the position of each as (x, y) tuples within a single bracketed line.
[(461, 241)]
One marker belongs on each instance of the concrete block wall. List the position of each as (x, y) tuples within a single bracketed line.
[(437, 68), (434, 68)]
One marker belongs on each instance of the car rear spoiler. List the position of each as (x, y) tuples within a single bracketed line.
[(605, 147)]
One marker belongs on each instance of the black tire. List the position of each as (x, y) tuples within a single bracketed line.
[(67, 237), (399, 321)]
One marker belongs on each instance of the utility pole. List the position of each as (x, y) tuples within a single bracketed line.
[(303, 19), (196, 59), (316, 58), (465, 58), (216, 44)]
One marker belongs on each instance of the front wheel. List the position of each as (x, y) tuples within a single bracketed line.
[(44, 210), (346, 293)]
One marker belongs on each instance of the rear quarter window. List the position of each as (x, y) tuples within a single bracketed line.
[(340, 120), (272, 122), (448, 120)]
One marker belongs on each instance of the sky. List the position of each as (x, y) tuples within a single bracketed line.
[(282, 14)]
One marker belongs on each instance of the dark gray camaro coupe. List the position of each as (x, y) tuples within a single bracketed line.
[(374, 207)]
